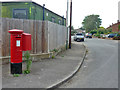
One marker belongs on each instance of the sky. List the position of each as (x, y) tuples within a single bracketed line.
[(107, 9)]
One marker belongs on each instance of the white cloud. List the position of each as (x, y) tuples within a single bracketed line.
[(107, 9)]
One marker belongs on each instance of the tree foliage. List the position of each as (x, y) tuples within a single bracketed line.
[(91, 22), (101, 30), (72, 28), (82, 28)]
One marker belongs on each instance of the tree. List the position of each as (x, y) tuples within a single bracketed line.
[(93, 31), (72, 28), (119, 27), (82, 28), (91, 22), (101, 30)]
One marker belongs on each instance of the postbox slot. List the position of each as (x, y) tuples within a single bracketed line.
[(18, 37)]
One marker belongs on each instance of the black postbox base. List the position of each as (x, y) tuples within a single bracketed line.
[(16, 68)]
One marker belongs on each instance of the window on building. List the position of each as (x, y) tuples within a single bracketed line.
[(60, 22), (63, 21), (53, 19), (46, 14), (20, 13)]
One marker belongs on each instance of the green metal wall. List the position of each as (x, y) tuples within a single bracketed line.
[(0, 9), (34, 11), (7, 9)]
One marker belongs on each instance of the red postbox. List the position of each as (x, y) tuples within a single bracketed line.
[(18, 40), (26, 41)]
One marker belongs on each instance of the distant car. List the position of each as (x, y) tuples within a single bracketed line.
[(104, 36), (117, 35), (107, 35), (88, 35), (111, 35), (79, 37)]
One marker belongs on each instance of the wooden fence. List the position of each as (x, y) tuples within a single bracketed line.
[(0, 38), (45, 35), (56, 36)]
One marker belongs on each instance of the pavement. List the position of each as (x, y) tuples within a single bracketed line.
[(47, 73)]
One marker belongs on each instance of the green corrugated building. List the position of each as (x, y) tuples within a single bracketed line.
[(29, 10)]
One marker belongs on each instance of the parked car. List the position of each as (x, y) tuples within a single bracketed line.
[(103, 36), (111, 35), (88, 35), (116, 37), (79, 37), (107, 35)]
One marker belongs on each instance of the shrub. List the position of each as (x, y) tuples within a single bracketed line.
[(55, 50), (53, 57), (97, 35), (28, 63)]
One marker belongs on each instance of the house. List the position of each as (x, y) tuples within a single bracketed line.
[(29, 10), (115, 27), (80, 30)]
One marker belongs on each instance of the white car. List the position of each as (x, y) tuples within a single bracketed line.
[(79, 37), (107, 35)]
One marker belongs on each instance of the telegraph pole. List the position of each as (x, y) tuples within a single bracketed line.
[(43, 12), (70, 25), (43, 31), (67, 38)]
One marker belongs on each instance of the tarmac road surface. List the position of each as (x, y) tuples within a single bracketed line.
[(100, 68)]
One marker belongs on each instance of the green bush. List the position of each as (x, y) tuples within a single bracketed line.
[(101, 30), (97, 35), (26, 71), (93, 32), (28, 63), (55, 50), (53, 57)]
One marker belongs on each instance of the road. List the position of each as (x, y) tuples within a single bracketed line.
[(100, 68)]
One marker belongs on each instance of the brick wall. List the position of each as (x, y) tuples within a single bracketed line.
[(115, 27)]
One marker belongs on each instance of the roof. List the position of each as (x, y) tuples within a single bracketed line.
[(16, 1), (9, 1), (118, 23)]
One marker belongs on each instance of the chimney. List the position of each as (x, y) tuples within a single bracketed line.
[(117, 21)]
